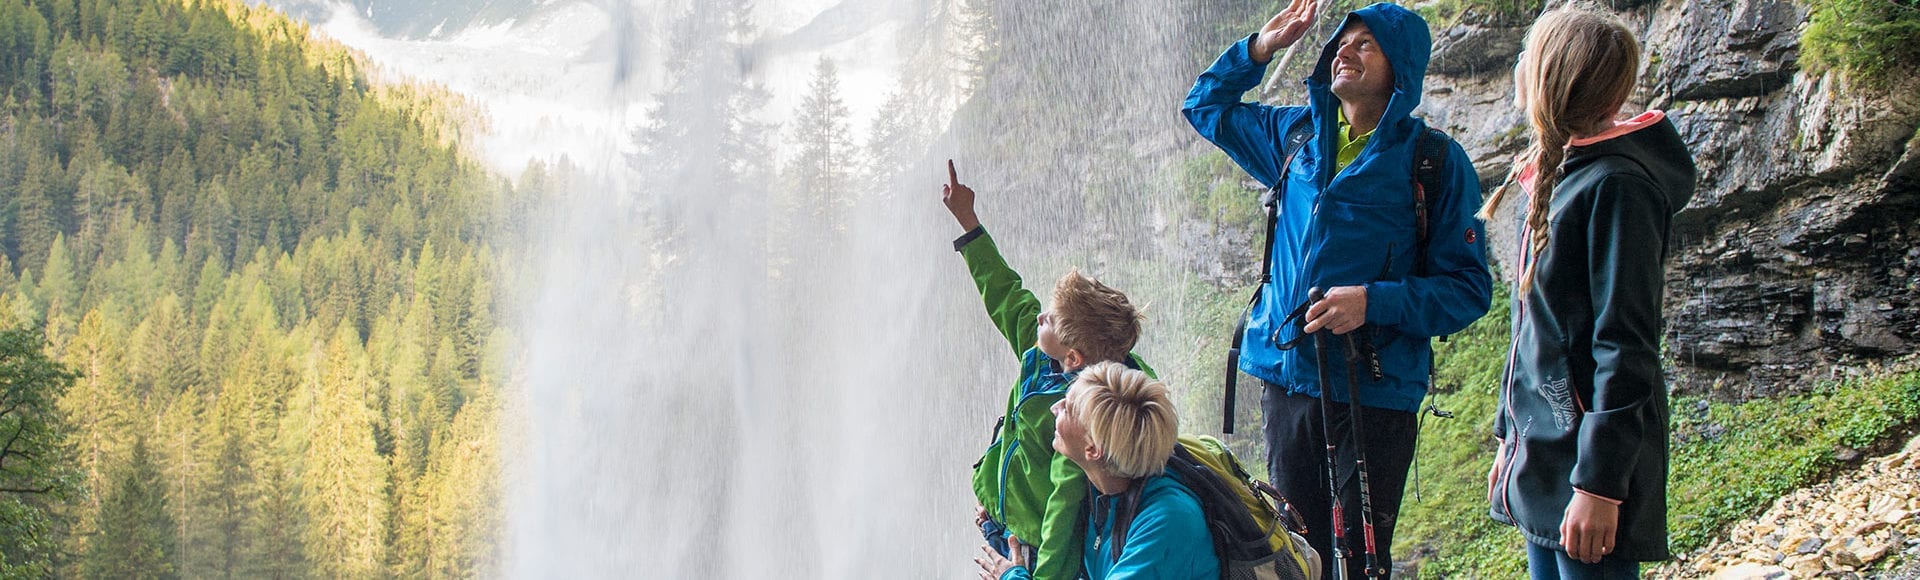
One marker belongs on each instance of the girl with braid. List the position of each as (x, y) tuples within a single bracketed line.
[(1582, 463)]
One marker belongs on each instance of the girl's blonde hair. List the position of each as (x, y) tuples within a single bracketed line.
[(1578, 67), (1128, 415)]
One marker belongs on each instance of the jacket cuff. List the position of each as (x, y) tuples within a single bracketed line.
[(1597, 496), (1386, 303), (1243, 52), (1016, 573), (1609, 445), (970, 236)]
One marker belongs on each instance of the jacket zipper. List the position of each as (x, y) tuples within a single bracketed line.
[(1314, 227), (1512, 444), (1006, 458)]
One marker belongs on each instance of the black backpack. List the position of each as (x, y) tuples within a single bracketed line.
[(1430, 154)]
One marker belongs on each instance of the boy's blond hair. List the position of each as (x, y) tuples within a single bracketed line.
[(1094, 318), (1128, 415)]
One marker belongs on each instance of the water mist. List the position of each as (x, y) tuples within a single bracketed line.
[(725, 376)]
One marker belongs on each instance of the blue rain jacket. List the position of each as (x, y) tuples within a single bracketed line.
[(1167, 539), (1354, 227)]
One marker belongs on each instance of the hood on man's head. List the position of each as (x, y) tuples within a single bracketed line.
[(1404, 38)]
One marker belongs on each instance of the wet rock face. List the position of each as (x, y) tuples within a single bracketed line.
[(1800, 250), (1474, 49), (1716, 49)]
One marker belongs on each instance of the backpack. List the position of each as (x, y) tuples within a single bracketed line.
[(1430, 152), (1255, 532)]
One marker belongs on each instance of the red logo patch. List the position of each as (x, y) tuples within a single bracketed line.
[(1471, 236)]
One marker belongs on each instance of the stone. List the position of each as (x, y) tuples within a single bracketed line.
[(1807, 566), (1896, 516), (1809, 546), (1750, 571), (1761, 556), (1846, 558), (1871, 554)]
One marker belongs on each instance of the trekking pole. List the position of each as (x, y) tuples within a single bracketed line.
[(1339, 527), (1373, 568)]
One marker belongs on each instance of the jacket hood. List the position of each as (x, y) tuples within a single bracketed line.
[(1404, 38), (1657, 147)]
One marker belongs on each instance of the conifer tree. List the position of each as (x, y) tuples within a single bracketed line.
[(39, 211), (344, 480), (136, 534), (101, 412), (897, 138), (823, 169)]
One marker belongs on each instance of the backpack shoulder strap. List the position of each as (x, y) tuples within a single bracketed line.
[(1298, 134), (1429, 158)]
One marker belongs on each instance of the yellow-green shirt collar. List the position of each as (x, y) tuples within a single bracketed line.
[(1349, 147)]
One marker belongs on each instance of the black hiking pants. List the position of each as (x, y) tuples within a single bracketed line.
[(1296, 461)]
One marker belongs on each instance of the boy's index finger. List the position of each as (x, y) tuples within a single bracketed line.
[(952, 178)]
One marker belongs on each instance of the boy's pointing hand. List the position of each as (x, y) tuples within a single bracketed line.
[(959, 200)]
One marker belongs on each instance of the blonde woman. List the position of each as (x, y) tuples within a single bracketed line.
[(1118, 425), (1582, 462)]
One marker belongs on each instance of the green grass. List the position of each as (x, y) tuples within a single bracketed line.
[(1872, 41), (1732, 460)]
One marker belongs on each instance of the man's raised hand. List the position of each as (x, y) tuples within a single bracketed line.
[(959, 200), (1284, 29)]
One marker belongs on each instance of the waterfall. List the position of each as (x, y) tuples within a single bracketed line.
[(730, 370)]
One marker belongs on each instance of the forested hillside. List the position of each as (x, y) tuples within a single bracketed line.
[(270, 277)]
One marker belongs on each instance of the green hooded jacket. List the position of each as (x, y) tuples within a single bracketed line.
[(1021, 481)]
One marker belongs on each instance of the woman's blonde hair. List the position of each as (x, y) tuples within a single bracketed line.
[(1577, 69), (1128, 415)]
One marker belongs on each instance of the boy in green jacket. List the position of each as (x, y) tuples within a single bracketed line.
[(1028, 492)]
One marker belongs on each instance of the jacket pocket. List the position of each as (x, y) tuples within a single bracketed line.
[(1361, 241)]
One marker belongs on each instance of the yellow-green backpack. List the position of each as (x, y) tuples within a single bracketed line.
[(1255, 532)]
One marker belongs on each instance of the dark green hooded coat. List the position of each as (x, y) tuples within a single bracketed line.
[(1585, 401)]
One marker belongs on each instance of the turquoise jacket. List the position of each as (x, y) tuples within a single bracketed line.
[(1355, 226), (1166, 540), (1022, 483)]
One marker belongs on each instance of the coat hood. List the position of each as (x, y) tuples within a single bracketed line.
[(1404, 39), (1654, 143)]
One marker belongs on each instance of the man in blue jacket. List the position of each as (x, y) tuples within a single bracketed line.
[(1348, 224)]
